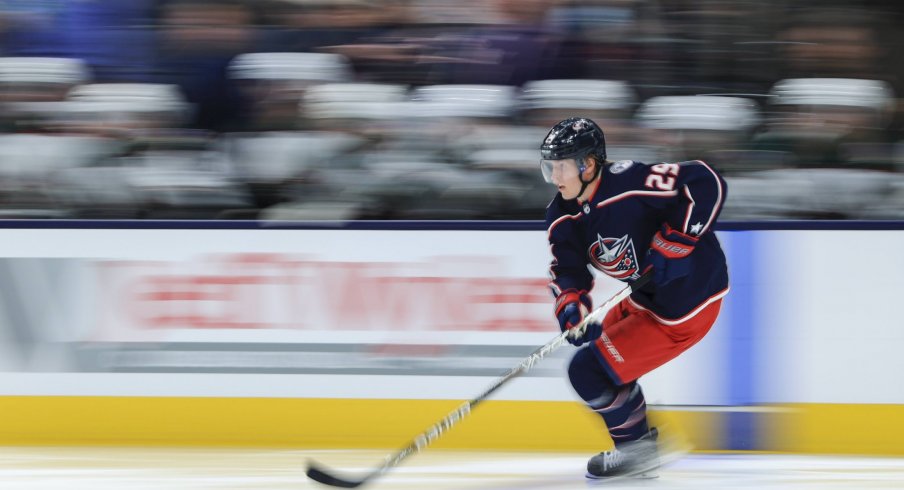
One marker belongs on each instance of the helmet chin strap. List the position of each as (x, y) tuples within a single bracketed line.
[(584, 184)]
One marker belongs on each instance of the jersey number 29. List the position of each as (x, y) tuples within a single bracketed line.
[(662, 176)]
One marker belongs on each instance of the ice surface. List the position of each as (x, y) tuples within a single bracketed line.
[(138, 469)]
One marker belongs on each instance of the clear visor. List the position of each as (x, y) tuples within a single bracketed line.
[(557, 171)]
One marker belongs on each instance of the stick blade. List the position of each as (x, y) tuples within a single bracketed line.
[(320, 475)]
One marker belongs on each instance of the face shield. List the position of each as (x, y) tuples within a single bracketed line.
[(559, 171)]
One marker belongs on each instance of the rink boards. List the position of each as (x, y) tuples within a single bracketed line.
[(365, 336), (364, 423)]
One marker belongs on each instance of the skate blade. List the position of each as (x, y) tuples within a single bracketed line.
[(671, 449), (638, 475), (643, 473)]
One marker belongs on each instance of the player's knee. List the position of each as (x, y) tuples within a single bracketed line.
[(590, 380)]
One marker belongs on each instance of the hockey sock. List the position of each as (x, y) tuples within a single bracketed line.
[(623, 408), (626, 416)]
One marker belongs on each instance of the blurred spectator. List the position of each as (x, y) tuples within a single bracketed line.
[(510, 43), (274, 84), (122, 110), (699, 127), (612, 39), (545, 102), (32, 27), (431, 109), (29, 86), (832, 42), (115, 38), (378, 37), (823, 122), (308, 25), (714, 46), (198, 40), (419, 42), (156, 171), (357, 108)]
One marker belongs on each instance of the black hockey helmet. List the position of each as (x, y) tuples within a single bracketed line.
[(575, 137)]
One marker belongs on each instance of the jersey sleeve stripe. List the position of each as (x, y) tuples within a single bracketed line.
[(559, 221), (690, 210), (625, 195), (718, 204), (552, 265)]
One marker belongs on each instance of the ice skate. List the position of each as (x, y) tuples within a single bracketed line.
[(635, 459)]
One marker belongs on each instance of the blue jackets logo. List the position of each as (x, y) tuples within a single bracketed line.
[(615, 257)]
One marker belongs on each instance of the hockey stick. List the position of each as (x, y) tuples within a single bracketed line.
[(419, 443)]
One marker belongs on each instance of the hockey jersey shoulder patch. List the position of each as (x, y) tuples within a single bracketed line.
[(620, 166)]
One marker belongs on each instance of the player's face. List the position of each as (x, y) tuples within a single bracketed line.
[(565, 175)]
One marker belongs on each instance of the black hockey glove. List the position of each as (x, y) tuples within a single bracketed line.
[(571, 307), (669, 255)]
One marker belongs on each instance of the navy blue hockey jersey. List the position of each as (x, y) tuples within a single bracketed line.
[(612, 232)]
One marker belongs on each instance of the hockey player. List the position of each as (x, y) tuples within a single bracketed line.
[(624, 219)]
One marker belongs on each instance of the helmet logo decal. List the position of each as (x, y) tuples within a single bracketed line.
[(573, 138), (615, 257)]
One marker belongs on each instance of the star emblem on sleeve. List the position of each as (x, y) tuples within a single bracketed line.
[(696, 228)]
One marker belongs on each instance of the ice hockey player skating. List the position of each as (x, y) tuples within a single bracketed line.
[(626, 218)]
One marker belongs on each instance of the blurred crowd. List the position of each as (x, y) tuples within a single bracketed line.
[(434, 109)]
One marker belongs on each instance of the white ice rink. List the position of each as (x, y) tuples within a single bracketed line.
[(130, 468)]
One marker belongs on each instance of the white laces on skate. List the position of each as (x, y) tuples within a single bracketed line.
[(636, 459), (612, 460)]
